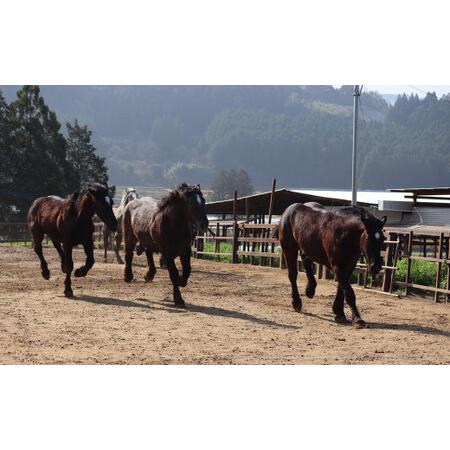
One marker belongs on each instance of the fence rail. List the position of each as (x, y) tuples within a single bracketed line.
[(14, 232), (253, 243)]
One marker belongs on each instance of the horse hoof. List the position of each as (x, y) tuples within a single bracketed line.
[(341, 320), (46, 274), (297, 307), (79, 273), (180, 304), (359, 323), (149, 277), (128, 278), (68, 294), (310, 291), (63, 269)]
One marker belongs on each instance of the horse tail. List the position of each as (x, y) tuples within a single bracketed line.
[(276, 233)]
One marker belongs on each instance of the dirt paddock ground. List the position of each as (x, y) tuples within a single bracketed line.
[(236, 314)]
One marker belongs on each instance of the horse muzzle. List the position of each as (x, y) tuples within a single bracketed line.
[(375, 268), (203, 226)]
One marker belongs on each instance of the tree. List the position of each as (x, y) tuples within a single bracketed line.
[(6, 158), (39, 150), (81, 155), (228, 181)]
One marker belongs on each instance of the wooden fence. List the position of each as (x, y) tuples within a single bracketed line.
[(18, 233), (253, 243)]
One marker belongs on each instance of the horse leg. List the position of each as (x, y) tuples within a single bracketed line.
[(59, 249), (338, 306), (69, 267), (38, 237), (186, 264), (117, 242), (312, 283), (175, 278), (291, 255), (89, 251), (151, 272), (350, 298), (106, 235), (130, 244)]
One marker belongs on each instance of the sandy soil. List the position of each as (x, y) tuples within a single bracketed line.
[(235, 315)]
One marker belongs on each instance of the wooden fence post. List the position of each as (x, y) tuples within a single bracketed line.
[(234, 258), (388, 273), (438, 268), (408, 262), (272, 199)]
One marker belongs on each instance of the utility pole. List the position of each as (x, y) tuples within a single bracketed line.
[(356, 94)]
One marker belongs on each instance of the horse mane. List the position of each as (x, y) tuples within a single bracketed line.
[(76, 196), (122, 201), (358, 211), (365, 216), (175, 195)]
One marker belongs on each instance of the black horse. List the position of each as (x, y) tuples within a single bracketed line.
[(69, 222), (334, 239)]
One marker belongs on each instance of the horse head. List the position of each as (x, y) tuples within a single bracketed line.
[(103, 204), (196, 210), (130, 194), (373, 240)]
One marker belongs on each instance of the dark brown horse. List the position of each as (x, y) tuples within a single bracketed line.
[(69, 222), (167, 228), (334, 239)]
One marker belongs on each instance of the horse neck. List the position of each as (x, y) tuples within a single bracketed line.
[(84, 208), (123, 201), (363, 241), (177, 215)]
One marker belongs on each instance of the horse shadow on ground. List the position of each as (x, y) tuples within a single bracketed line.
[(170, 307), (222, 312), (110, 301), (409, 327), (391, 326)]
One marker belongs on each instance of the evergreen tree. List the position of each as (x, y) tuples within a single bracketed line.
[(81, 155), (228, 181), (6, 159), (40, 148), (6, 146)]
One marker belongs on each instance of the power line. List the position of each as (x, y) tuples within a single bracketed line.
[(418, 89)]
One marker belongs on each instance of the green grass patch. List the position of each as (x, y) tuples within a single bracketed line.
[(422, 272)]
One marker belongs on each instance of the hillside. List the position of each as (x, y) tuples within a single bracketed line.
[(159, 135)]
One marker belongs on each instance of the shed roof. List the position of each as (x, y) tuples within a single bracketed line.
[(259, 203), (425, 191)]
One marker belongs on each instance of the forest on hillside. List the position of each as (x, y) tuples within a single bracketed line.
[(302, 135)]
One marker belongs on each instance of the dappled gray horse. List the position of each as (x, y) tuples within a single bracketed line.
[(127, 195)]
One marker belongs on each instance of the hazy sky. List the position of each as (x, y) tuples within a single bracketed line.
[(420, 90)]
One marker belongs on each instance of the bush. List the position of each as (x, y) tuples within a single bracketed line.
[(422, 272)]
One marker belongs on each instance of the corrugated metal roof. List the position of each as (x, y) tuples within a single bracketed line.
[(370, 197)]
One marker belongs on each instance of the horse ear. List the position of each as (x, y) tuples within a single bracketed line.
[(363, 217), (383, 220)]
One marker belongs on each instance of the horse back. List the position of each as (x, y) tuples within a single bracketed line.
[(52, 216), (137, 218)]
